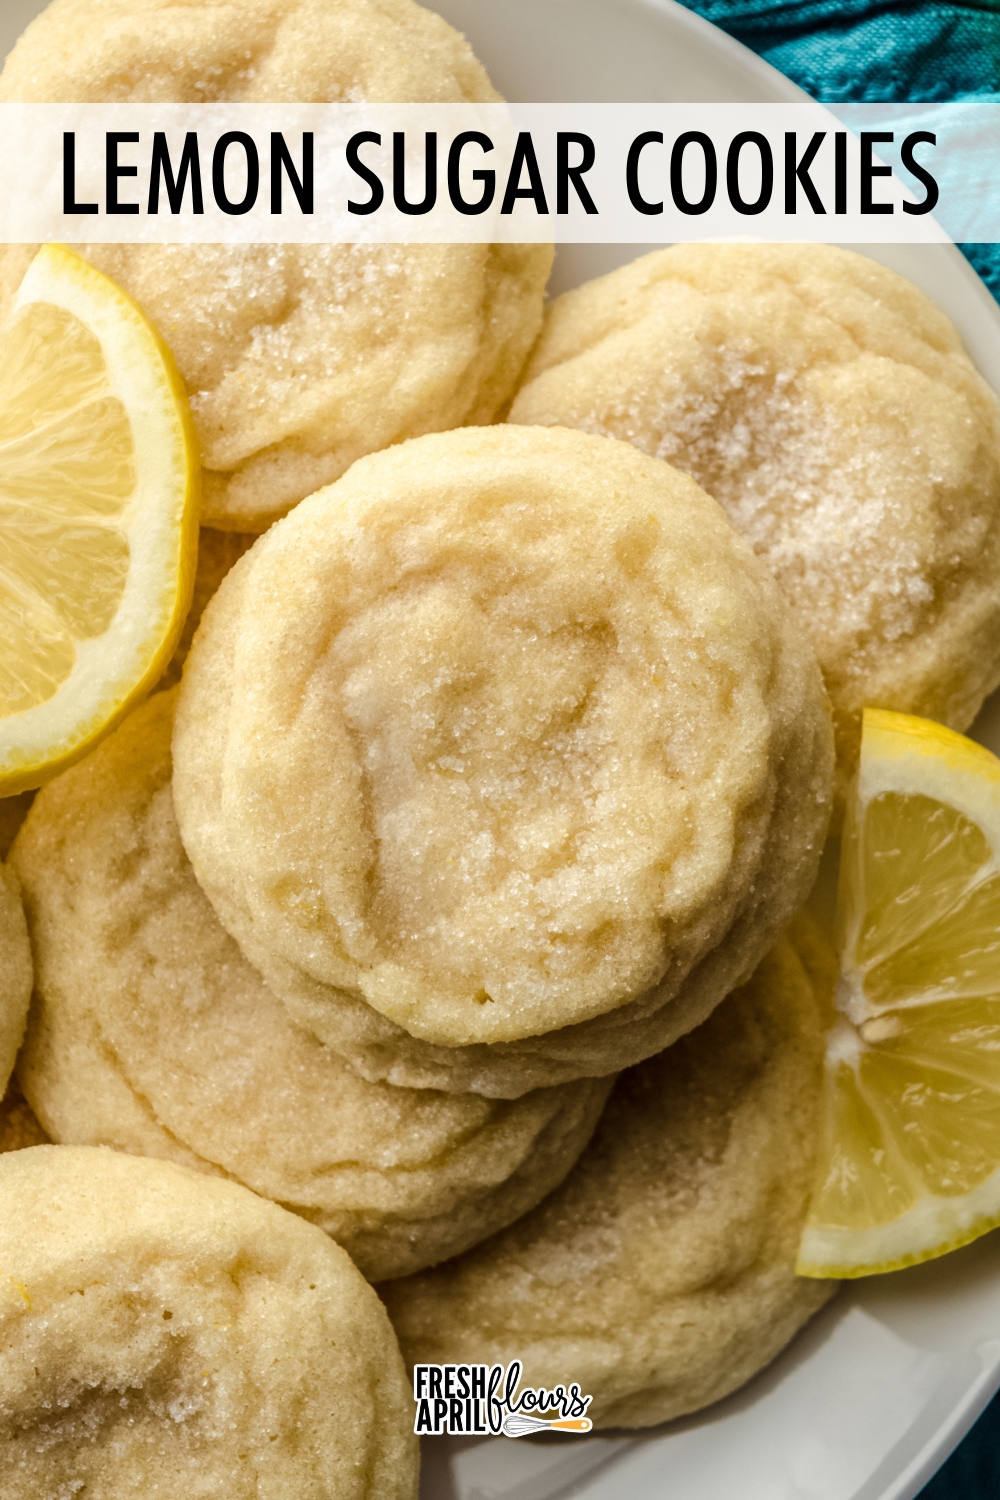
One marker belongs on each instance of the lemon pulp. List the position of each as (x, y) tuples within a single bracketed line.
[(909, 1161), (67, 471), (98, 514)]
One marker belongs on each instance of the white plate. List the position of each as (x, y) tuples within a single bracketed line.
[(870, 1399)]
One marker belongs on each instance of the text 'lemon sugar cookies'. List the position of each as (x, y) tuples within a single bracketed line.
[(151, 1033), (298, 359), (15, 973), (482, 753), (168, 1334), (831, 409), (661, 1275)]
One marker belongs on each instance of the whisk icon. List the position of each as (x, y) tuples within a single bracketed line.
[(517, 1425)]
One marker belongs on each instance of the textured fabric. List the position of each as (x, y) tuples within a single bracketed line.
[(973, 1470), (862, 50)]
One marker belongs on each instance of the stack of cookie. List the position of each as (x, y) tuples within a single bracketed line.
[(495, 767)]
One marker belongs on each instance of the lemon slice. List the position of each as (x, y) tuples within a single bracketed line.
[(910, 1153), (98, 514)]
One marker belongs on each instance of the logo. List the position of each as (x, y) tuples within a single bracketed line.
[(485, 1399)]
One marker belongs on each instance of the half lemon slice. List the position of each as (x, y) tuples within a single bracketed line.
[(909, 1161), (99, 481)]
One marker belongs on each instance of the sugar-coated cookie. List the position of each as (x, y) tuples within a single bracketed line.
[(482, 753), (15, 973), (169, 1334), (297, 358), (150, 1032), (661, 1275), (831, 409)]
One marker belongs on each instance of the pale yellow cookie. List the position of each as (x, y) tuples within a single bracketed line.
[(13, 811), (15, 973), (661, 1275), (151, 1033), (483, 752), (298, 358), (831, 409), (168, 1335)]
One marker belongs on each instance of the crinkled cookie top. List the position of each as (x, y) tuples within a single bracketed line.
[(245, 51), (492, 736)]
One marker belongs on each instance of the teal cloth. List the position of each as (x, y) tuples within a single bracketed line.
[(861, 51), (857, 50)]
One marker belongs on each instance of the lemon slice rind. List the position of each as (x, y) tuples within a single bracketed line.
[(113, 671), (932, 1227), (919, 758)]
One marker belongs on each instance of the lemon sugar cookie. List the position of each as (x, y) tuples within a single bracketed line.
[(167, 1334), (482, 753), (831, 410), (298, 358), (15, 973), (661, 1275), (151, 1033)]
